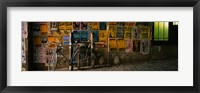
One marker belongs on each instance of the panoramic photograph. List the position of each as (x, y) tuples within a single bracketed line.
[(99, 46)]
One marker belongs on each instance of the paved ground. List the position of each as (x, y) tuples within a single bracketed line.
[(153, 65)]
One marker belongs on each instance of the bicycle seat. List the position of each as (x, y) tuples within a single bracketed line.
[(86, 42), (83, 45)]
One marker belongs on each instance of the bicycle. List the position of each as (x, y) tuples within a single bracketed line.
[(84, 55), (81, 53)]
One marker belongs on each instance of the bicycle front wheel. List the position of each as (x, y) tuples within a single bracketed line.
[(92, 59), (79, 58)]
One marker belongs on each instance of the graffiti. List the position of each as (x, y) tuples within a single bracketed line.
[(23, 46), (24, 29)]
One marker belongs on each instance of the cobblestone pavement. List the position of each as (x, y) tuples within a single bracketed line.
[(153, 65)]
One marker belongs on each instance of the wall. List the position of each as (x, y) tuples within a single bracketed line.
[(114, 42)]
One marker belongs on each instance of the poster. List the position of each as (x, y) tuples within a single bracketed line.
[(136, 45), (103, 26), (76, 36), (144, 47), (52, 41), (37, 41), (145, 32), (44, 29), (66, 40), (143, 23), (94, 25), (136, 33), (36, 29), (112, 31), (128, 34), (129, 45), (112, 23), (89, 25), (68, 26), (44, 40), (61, 25), (84, 35), (121, 44), (76, 25), (130, 24), (51, 55), (58, 38), (53, 26), (39, 55), (95, 34), (112, 43), (120, 33), (120, 25), (103, 35), (67, 32), (84, 25), (120, 30)]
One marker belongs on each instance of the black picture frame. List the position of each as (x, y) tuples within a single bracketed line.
[(100, 3)]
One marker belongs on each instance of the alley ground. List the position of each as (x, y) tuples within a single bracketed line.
[(152, 65)]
